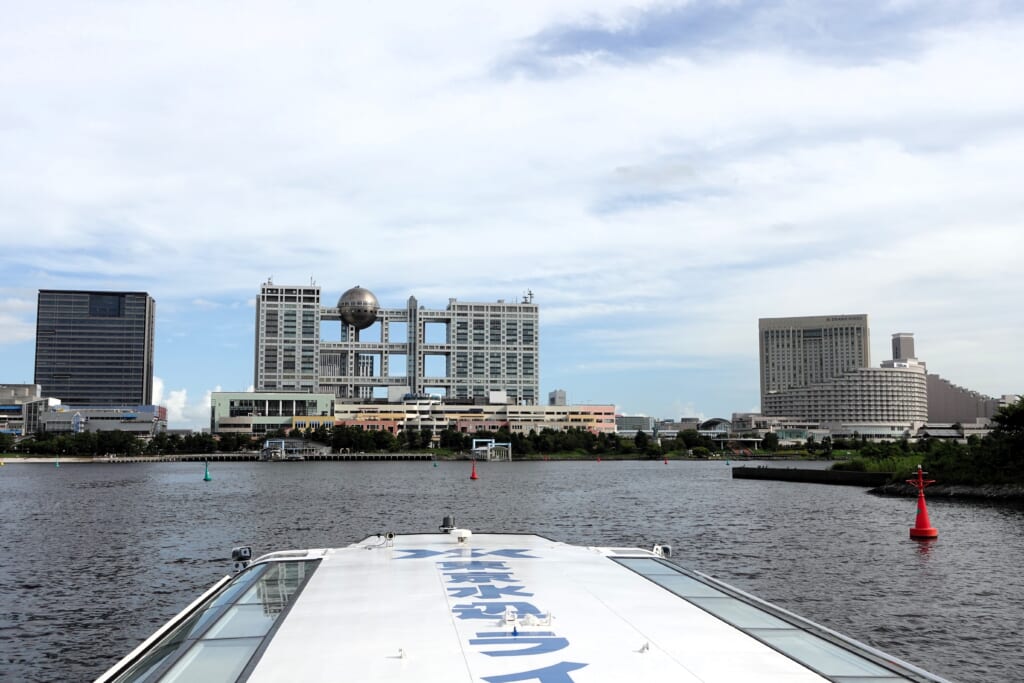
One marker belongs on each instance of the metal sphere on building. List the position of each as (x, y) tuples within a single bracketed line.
[(358, 307)]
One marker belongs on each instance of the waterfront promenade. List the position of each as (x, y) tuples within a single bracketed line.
[(248, 456)]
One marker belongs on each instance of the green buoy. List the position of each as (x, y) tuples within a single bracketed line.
[(207, 477)]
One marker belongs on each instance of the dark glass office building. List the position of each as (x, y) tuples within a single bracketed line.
[(95, 348)]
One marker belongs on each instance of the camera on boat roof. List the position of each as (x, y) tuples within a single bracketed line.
[(240, 557)]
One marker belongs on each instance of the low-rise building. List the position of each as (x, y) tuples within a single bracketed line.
[(634, 423), (13, 398), (141, 421), (262, 413)]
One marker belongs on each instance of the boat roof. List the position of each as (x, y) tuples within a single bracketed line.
[(499, 608)]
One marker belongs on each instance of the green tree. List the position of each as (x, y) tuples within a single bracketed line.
[(641, 441), (690, 438), (770, 442), (1009, 422)]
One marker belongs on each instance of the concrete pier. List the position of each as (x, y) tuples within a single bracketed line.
[(840, 477)]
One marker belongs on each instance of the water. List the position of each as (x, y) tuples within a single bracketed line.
[(96, 557)]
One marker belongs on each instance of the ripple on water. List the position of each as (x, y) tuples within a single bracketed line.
[(95, 561)]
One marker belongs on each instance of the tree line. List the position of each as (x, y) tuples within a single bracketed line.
[(996, 458), (351, 438)]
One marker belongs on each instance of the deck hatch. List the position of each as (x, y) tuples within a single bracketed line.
[(790, 635)]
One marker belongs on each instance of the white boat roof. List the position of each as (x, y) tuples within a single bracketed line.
[(497, 608)]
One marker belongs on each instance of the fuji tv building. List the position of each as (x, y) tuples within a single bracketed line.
[(462, 353), (469, 367)]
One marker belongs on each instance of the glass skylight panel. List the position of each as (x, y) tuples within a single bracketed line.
[(836, 662), (740, 614), (213, 660), (240, 583), (647, 566), (686, 587), (241, 615), (243, 621), (821, 655)]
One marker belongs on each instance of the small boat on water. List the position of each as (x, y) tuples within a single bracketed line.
[(493, 608)]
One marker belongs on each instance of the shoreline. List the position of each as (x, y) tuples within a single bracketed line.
[(989, 492), (993, 492)]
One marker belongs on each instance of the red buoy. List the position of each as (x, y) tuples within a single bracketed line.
[(922, 525), (472, 474)]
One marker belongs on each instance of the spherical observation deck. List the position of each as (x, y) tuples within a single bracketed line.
[(358, 307)]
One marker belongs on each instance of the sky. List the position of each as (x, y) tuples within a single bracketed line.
[(658, 174)]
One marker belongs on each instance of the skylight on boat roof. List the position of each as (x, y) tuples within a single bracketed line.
[(218, 640), (801, 640)]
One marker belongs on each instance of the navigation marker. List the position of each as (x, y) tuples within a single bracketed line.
[(922, 525), (473, 473), (207, 477)]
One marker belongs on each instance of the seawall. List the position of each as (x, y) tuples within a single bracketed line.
[(843, 478), (1008, 492)]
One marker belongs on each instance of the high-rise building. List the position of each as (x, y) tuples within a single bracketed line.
[(95, 348), (903, 346), (465, 352), (798, 352), (287, 354), (556, 397)]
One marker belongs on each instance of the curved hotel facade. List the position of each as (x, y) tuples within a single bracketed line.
[(816, 368), (871, 395)]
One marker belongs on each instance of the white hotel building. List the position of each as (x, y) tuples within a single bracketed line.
[(816, 369)]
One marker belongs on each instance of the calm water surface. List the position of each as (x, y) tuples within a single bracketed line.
[(96, 557)]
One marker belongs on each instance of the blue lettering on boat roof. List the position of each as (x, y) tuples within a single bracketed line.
[(490, 601), (420, 553)]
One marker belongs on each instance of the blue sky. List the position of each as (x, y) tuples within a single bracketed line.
[(660, 175)]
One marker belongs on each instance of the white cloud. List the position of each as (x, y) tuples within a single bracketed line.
[(656, 207), (15, 329), (180, 413)]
